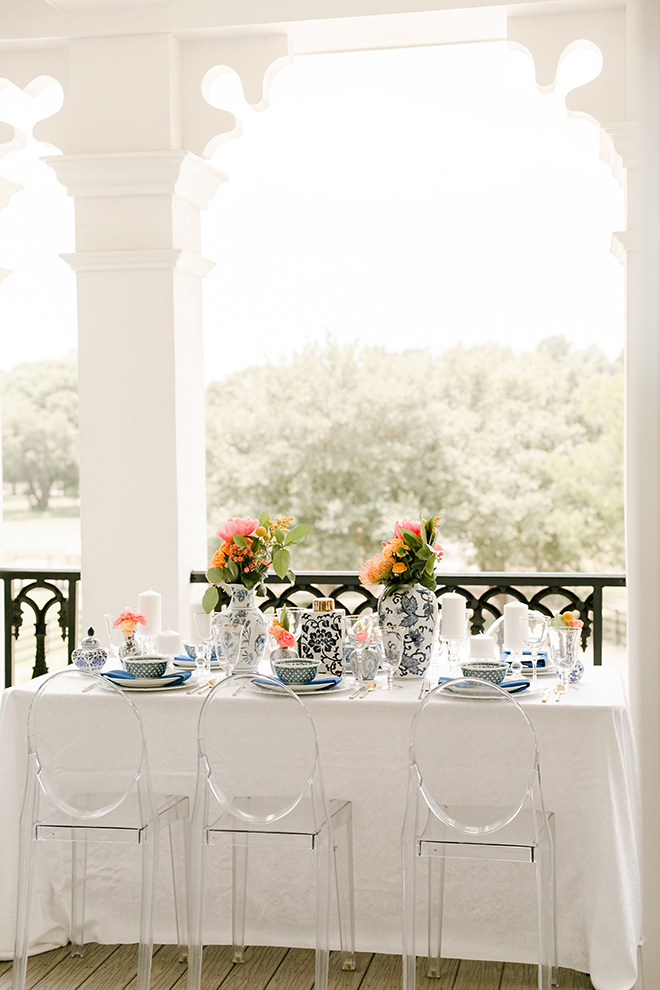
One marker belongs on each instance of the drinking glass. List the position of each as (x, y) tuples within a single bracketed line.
[(390, 640), (534, 628), (564, 649), (295, 616), (359, 631), (227, 636), (203, 654)]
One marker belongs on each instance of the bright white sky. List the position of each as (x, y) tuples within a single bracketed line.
[(408, 198)]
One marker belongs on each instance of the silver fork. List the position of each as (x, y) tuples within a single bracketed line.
[(425, 688)]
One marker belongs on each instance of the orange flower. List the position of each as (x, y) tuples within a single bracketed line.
[(218, 559), (399, 567), (389, 549), (373, 571)]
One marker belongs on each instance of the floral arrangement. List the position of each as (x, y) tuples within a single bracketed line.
[(566, 620), (249, 547), (408, 558), (280, 631), (127, 621)]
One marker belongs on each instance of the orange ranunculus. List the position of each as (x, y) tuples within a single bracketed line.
[(218, 558), (399, 567), (390, 548)]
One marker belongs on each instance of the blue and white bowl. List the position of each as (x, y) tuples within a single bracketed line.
[(295, 671), (146, 666), (191, 650), (487, 670)]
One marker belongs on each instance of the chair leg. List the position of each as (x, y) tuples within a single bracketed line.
[(324, 868), (544, 884), (198, 848), (78, 891), (149, 872), (436, 902), (180, 853), (239, 865), (345, 895), (409, 859), (25, 871)]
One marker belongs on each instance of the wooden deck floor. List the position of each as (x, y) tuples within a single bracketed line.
[(114, 967)]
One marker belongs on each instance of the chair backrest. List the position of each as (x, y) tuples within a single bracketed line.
[(259, 744), (473, 754), (85, 743)]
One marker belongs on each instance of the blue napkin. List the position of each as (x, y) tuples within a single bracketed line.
[(541, 662), (123, 675), (511, 687), (328, 681)]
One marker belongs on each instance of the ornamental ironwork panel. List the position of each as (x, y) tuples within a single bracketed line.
[(485, 594), (40, 592)]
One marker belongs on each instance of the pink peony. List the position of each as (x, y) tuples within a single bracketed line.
[(237, 527), (286, 639), (412, 524)]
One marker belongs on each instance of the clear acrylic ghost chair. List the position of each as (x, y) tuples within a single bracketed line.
[(474, 792), (88, 780), (259, 783)]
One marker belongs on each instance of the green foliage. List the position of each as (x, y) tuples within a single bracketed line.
[(40, 428), (523, 453)]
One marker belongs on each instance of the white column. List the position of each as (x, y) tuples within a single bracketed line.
[(141, 387)]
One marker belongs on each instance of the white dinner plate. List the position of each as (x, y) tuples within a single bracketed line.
[(479, 692), (306, 689), (150, 683), (190, 664), (540, 671)]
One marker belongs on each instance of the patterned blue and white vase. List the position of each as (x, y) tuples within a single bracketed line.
[(255, 627), (577, 672), (416, 608)]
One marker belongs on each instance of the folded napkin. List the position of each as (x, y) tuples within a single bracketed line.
[(327, 681), (123, 675), (512, 687), (541, 662)]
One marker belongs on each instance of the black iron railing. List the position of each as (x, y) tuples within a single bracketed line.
[(485, 593), (40, 592), (45, 591)]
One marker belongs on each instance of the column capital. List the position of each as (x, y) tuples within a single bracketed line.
[(154, 173), (623, 241), (117, 261)]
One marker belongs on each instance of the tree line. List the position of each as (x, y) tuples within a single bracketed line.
[(522, 454)]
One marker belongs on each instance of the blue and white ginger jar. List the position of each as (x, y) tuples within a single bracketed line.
[(416, 608)]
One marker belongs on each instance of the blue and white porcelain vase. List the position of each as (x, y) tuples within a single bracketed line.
[(255, 627), (577, 672), (416, 608)]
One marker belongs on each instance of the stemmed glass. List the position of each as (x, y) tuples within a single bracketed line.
[(534, 627), (359, 631), (295, 617), (564, 647), (390, 641), (227, 637), (203, 625)]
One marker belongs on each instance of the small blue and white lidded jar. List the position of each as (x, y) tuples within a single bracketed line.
[(90, 655), (322, 636)]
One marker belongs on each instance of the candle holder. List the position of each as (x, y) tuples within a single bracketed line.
[(453, 646)]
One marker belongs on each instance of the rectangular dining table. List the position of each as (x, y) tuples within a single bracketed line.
[(590, 782)]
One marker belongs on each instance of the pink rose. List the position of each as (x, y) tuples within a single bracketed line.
[(413, 525), (237, 527), (286, 639)]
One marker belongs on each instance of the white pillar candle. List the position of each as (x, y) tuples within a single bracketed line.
[(482, 647), (168, 642), (193, 635), (453, 615), (513, 634), (149, 605)]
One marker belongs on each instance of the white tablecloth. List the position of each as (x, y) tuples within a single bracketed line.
[(590, 782)]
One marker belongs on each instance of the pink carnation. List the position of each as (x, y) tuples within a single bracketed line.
[(237, 527), (412, 524)]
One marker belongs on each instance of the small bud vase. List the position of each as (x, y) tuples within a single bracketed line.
[(242, 608)]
